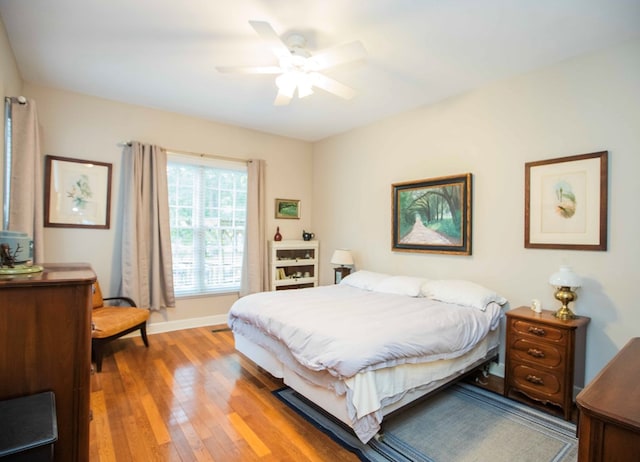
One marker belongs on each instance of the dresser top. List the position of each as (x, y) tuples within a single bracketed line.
[(614, 394), (53, 273)]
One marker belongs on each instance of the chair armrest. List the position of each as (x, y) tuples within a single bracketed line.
[(126, 299)]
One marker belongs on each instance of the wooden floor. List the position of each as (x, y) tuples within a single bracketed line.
[(191, 397)]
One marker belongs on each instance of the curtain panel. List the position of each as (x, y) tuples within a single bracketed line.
[(147, 267), (26, 203), (254, 274)]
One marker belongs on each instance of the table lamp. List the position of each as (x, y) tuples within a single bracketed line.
[(565, 280)]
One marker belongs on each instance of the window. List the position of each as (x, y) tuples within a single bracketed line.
[(208, 209)]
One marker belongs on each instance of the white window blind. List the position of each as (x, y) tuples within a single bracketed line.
[(208, 207)]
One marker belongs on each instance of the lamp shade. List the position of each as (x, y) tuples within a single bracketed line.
[(342, 257), (565, 277)]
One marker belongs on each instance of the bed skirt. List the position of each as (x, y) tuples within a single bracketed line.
[(342, 399)]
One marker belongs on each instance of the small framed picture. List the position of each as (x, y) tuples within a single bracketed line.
[(77, 193), (287, 208)]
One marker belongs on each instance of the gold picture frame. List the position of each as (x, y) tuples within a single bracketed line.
[(566, 202), (432, 215), (288, 208)]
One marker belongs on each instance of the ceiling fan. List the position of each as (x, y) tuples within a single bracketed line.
[(297, 67)]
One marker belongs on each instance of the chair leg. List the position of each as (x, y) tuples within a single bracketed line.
[(97, 353), (143, 332)]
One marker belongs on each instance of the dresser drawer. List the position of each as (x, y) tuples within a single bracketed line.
[(537, 353), (538, 384), (539, 331)]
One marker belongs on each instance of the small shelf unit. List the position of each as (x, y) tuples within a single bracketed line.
[(293, 264)]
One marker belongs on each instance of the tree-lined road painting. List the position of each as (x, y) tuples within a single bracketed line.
[(431, 215)]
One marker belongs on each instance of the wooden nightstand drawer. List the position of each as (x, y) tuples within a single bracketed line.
[(537, 353), (544, 358), (539, 331), (537, 383)]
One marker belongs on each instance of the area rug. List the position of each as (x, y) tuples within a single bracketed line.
[(462, 423)]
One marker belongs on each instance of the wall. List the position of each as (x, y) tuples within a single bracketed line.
[(10, 85), (84, 127), (580, 106)]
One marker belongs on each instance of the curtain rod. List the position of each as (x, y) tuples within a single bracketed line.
[(196, 154)]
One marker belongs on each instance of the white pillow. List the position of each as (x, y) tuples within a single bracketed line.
[(461, 292), (364, 279), (401, 285)]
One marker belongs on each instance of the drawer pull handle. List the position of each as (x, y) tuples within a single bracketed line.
[(535, 380), (537, 331), (535, 353)]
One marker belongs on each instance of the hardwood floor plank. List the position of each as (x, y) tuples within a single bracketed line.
[(101, 448), (191, 396), (153, 415), (249, 436)]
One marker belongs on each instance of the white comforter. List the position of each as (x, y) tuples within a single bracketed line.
[(346, 330)]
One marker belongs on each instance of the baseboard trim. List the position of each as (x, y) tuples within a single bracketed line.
[(180, 324)]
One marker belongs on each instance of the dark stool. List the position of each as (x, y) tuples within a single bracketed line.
[(28, 428)]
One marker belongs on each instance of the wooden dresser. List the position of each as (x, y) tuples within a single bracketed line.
[(609, 426), (45, 345), (544, 357)]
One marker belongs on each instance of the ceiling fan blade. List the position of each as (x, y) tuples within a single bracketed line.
[(330, 57), (282, 99), (269, 35), (249, 69), (332, 86)]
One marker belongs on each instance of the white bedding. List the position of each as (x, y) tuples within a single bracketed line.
[(345, 330), (368, 346)]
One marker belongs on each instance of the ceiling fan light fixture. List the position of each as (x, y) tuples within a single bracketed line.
[(305, 85), (299, 69), (288, 82)]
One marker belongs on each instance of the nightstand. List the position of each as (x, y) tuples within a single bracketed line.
[(544, 357)]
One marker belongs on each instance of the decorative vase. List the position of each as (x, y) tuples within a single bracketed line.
[(278, 236)]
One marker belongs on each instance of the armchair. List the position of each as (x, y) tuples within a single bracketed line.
[(110, 322)]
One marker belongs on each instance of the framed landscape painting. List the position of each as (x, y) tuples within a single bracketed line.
[(566, 203), (287, 208), (432, 215)]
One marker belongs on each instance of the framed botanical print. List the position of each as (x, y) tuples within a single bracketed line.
[(77, 193), (566, 203)]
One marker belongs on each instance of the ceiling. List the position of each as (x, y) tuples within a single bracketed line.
[(163, 53)]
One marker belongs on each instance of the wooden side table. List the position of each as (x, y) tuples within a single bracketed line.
[(544, 357)]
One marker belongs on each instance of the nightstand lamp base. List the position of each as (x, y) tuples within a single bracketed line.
[(565, 296), (565, 281)]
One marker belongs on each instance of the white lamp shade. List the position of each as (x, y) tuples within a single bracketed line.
[(342, 257), (565, 277)]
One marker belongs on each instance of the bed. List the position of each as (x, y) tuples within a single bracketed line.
[(372, 344)]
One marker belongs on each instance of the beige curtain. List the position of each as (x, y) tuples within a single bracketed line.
[(147, 271), (25, 198), (254, 274)]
